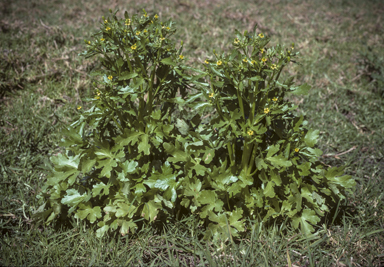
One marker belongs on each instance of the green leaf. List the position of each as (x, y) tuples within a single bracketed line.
[(140, 188), (86, 211), (199, 169), (126, 226), (101, 231), (129, 137), (73, 198), (71, 137), (245, 178), (150, 210), (345, 181), (275, 177), (208, 156), (62, 161), (301, 90), (87, 164), (307, 216), (311, 137), (279, 161), (234, 219), (125, 209), (260, 164), (256, 78), (193, 188), (107, 165), (144, 145), (272, 150), (178, 155), (127, 75), (305, 169), (97, 188), (196, 106), (182, 126), (162, 180), (269, 190), (129, 166), (206, 197), (168, 61), (334, 171)]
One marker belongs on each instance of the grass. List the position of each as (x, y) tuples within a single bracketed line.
[(42, 80)]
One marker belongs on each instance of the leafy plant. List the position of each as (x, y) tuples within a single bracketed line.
[(142, 150)]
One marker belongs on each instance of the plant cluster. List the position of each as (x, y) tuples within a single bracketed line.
[(144, 152)]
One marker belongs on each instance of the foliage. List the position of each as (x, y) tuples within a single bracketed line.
[(139, 153)]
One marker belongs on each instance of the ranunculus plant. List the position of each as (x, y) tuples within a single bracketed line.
[(143, 150)]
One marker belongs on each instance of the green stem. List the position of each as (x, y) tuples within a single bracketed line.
[(150, 92), (252, 115), (246, 154), (240, 99), (251, 162), (118, 125), (230, 152)]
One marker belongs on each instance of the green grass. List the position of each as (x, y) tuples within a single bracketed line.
[(42, 80)]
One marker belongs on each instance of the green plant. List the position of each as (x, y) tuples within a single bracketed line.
[(138, 152)]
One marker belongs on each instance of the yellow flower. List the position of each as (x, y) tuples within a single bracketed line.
[(262, 50), (102, 39), (145, 31), (274, 99), (250, 132), (181, 57), (133, 47), (206, 61), (211, 94), (89, 42), (127, 22), (261, 35), (110, 77), (156, 16), (219, 63), (163, 27), (162, 38), (108, 28), (97, 97), (138, 33), (266, 110), (105, 21), (245, 60), (296, 150), (145, 15), (263, 59), (236, 41), (253, 62), (151, 21), (78, 107), (168, 28), (273, 66)]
